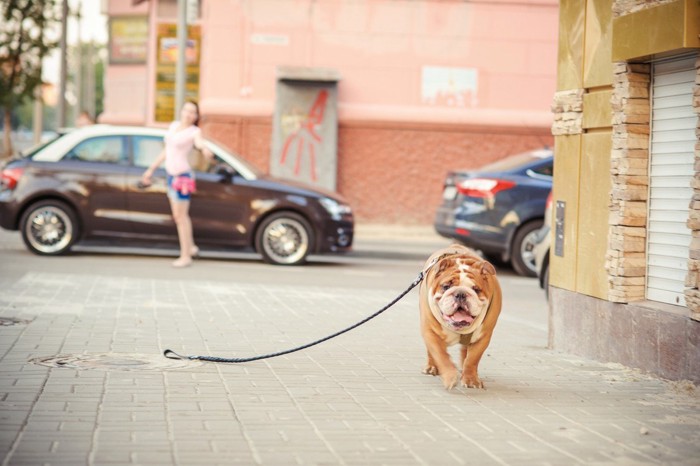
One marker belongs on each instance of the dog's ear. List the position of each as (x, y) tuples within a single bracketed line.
[(444, 264), (487, 268)]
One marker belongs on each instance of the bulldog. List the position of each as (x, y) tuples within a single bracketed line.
[(460, 300)]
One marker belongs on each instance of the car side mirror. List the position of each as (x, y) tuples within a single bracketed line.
[(225, 171)]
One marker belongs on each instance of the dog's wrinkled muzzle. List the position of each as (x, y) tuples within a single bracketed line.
[(460, 318)]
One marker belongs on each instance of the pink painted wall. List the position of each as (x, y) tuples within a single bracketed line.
[(126, 86), (380, 48)]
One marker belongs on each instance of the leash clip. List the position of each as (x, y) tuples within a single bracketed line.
[(418, 279)]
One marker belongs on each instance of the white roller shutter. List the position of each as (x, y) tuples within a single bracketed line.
[(671, 170)]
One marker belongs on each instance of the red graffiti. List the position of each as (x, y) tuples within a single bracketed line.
[(306, 137)]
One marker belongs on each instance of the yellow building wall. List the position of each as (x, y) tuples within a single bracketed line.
[(582, 161), (567, 161), (570, 52), (594, 199), (598, 66)]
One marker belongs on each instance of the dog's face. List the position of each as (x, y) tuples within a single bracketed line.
[(459, 292)]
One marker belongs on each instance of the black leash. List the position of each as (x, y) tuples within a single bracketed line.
[(170, 354)]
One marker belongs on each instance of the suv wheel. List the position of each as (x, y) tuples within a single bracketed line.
[(523, 256), (49, 227), (284, 238)]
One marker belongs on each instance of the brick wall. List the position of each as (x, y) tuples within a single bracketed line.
[(390, 173)]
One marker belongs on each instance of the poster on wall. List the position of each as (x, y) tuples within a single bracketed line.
[(165, 69), (449, 86), (128, 40)]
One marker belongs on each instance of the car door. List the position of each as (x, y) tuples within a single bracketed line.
[(216, 210), (96, 170), (149, 209), (220, 208)]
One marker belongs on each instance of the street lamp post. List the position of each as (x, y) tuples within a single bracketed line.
[(61, 110), (180, 78)]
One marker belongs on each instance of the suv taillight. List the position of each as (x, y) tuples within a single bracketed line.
[(9, 178), (483, 187)]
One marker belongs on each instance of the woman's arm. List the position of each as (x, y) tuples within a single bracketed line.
[(146, 177), (199, 144)]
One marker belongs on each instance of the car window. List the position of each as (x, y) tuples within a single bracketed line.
[(546, 169), (102, 149), (515, 161), (146, 150)]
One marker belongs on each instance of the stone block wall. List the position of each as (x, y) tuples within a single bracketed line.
[(692, 294), (567, 107), (626, 256), (623, 7)]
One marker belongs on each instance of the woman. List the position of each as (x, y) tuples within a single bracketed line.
[(182, 135)]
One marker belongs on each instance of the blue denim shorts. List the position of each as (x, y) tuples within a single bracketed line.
[(176, 195)]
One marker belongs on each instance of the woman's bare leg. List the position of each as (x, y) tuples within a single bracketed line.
[(181, 215)]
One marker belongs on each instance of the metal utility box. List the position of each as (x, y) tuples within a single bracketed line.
[(305, 126)]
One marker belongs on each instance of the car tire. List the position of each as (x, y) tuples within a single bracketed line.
[(284, 238), (522, 254), (545, 282), (49, 228)]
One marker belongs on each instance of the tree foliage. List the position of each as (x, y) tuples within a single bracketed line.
[(23, 44)]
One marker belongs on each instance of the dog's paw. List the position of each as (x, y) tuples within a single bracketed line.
[(430, 370), (450, 379), (472, 381)]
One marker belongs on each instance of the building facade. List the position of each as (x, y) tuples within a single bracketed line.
[(413, 88), (624, 285)]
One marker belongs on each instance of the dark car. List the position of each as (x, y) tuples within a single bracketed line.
[(543, 240), (498, 208), (86, 185)]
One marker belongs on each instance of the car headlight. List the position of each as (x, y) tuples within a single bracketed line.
[(335, 208)]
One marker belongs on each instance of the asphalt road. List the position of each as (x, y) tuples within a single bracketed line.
[(378, 261)]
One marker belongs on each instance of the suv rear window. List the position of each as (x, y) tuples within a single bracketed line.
[(515, 161)]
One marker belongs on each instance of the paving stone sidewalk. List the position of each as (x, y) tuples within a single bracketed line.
[(359, 399)]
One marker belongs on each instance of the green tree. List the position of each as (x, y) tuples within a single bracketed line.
[(91, 56), (23, 45)]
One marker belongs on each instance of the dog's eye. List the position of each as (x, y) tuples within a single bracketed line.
[(445, 286), (476, 289)]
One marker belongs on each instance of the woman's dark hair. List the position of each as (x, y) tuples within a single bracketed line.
[(196, 105)]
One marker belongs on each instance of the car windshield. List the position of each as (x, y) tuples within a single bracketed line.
[(515, 161), (218, 147)]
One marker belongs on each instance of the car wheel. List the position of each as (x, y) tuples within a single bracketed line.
[(49, 227), (523, 255), (284, 238)]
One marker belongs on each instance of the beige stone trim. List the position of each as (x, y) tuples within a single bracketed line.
[(625, 7), (626, 256), (567, 107), (692, 281)]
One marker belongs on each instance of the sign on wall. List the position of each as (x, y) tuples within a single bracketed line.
[(449, 86), (165, 69), (128, 40)]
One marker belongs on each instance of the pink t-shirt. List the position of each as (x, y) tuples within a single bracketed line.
[(178, 145)]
